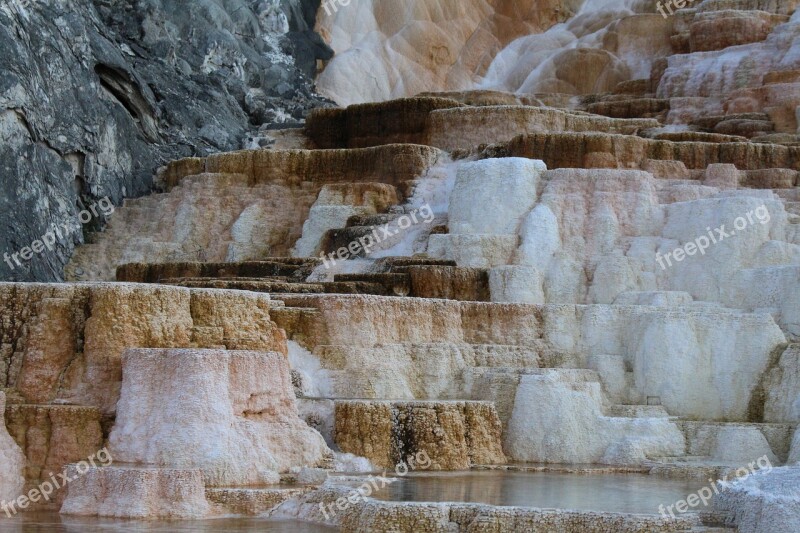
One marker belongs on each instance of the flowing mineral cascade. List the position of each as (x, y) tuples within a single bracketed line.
[(507, 265)]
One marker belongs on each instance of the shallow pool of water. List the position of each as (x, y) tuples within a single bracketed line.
[(618, 493), (52, 522)]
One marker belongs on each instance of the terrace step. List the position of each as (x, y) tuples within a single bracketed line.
[(354, 287), (626, 107), (294, 269), (250, 501), (637, 411), (706, 438)]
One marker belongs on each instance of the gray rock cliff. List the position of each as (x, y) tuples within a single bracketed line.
[(96, 95)]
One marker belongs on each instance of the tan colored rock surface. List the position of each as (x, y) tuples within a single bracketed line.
[(53, 436), (447, 124), (252, 502), (454, 435), (716, 30), (452, 283), (398, 121), (102, 320), (568, 150)]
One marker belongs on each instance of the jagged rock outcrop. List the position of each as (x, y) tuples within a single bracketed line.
[(117, 94)]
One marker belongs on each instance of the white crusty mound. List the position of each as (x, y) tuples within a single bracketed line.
[(765, 502), (570, 407), (396, 48), (508, 184), (146, 493), (231, 414), (794, 454), (12, 461)]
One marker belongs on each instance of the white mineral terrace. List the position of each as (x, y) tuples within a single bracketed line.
[(539, 271)]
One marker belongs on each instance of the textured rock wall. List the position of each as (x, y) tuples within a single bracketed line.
[(782, 388), (386, 517), (577, 430), (94, 96), (708, 58), (147, 494), (454, 435), (444, 121), (64, 342), (764, 502), (53, 436)]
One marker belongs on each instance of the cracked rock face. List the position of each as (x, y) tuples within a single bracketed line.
[(95, 96)]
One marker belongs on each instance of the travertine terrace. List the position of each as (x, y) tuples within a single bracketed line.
[(567, 243)]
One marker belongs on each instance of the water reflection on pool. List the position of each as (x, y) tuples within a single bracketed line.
[(52, 522), (619, 493)]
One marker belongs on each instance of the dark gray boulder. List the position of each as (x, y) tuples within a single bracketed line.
[(95, 96)]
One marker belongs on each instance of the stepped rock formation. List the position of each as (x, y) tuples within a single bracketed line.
[(582, 434), (538, 238)]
